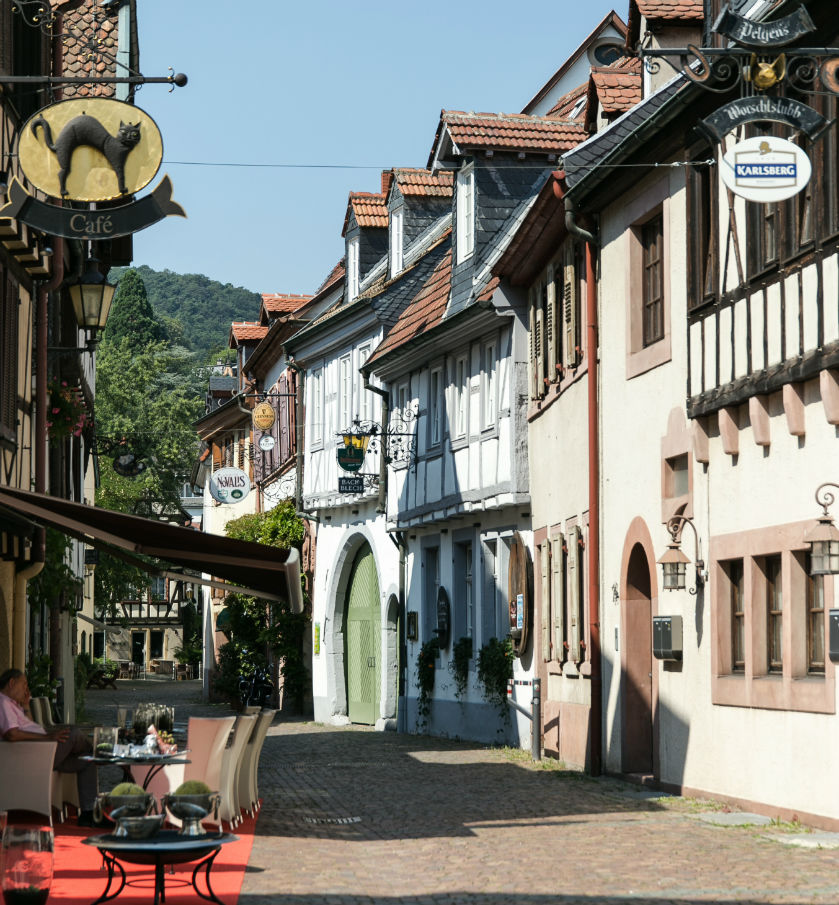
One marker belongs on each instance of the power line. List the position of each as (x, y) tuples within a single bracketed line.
[(351, 166)]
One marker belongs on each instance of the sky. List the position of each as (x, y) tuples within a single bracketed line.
[(290, 106)]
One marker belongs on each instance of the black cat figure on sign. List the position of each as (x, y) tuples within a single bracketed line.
[(86, 130)]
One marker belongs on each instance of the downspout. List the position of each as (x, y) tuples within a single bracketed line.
[(596, 720), (398, 538), (381, 505)]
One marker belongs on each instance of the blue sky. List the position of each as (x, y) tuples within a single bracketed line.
[(345, 88)]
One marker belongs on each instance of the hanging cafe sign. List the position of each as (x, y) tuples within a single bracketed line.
[(90, 150), (755, 59)]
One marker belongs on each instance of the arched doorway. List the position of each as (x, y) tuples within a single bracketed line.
[(637, 669), (362, 639)]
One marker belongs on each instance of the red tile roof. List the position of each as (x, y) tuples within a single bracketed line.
[(563, 107), (618, 86), (512, 131), (670, 9), (369, 208), (275, 303), (336, 275), (247, 331), (427, 309), (77, 26), (414, 183)]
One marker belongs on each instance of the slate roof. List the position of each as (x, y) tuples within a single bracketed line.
[(424, 183), (507, 132), (618, 86), (275, 303), (247, 331), (671, 9)]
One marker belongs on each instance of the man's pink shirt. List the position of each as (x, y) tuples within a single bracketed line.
[(12, 716)]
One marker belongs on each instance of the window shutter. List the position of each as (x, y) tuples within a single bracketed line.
[(545, 559), (216, 455), (569, 301), (573, 593), (534, 388), (550, 327), (540, 350), (558, 595)]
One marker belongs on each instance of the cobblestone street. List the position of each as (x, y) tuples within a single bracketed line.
[(352, 816)]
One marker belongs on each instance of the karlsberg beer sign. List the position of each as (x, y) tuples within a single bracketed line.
[(90, 150), (765, 169), (229, 485)]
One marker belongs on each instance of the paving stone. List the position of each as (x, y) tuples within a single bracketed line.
[(734, 818)]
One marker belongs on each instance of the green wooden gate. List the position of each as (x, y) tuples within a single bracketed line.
[(362, 640)]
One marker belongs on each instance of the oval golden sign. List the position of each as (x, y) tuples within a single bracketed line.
[(263, 416), (90, 149)]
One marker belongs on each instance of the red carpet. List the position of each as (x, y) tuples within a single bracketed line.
[(79, 878)]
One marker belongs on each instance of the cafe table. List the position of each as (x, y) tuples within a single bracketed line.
[(156, 761), (164, 848)]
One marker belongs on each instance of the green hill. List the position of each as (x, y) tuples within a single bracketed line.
[(196, 310)]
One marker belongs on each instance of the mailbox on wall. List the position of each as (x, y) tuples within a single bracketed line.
[(667, 637)]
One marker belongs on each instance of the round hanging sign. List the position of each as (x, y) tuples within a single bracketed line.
[(267, 443), (765, 168), (264, 416), (229, 485), (90, 149)]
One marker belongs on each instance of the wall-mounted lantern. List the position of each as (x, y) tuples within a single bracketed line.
[(824, 537), (674, 563), (91, 295)]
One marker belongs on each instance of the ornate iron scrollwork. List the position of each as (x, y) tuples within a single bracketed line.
[(397, 440), (35, 13)]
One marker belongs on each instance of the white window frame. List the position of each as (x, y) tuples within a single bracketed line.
[(352, 268), (316, 407), (397, 240), (489, 384), (435, 406), (465, 213), (461, 396), (365, 409), (344, 392)]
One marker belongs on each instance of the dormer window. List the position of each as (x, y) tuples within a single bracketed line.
[(465, 213), (352, 269), (397, 224)]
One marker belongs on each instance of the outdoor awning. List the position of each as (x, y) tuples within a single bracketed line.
[(257, 566)]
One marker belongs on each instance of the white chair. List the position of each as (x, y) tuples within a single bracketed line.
[(46, 713), (230, 809), (36, 711), (206, 738), (28, 777), (248, 787)]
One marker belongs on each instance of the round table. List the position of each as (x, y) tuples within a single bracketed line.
[(165, 847)]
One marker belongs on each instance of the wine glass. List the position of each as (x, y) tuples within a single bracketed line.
[(27, 865)]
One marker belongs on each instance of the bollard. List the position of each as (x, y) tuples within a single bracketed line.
[(534, 715)]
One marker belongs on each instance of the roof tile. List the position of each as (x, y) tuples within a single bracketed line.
[(276, 303), (424, 183), (369, 209), (247, 331), (512, 131), (618, 86), (671, 9)]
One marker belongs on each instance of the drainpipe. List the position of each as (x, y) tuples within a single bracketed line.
[(596, 721), (381, 506), (298, 434), (398, 538)]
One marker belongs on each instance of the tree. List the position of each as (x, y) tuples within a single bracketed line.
[(132, 315)]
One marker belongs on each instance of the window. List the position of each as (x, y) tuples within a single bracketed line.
[(702, 237), (344, 392), (461, 396), (734, 574), (353, 277), (316, 407), (465, 213), (815, 621), (435, 407), (488, 388), (397, 227), (652, 237), (365, 397), (464, 602), (774, 613), (158, 588), (156, 645), (431, 581), (768, 622)]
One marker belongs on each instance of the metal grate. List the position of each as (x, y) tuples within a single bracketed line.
[(332, 819)]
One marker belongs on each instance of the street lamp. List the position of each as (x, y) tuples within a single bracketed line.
[(91, 295), (674, 563), (824, 537)]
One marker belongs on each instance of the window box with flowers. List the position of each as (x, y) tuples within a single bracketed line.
[(67, 415)]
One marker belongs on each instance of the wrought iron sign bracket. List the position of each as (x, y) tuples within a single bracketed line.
[(397, 440)]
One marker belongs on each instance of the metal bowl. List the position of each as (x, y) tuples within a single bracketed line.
[(191, 810), (116, 806), (139, 827)]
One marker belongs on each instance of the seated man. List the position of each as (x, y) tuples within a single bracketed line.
[(16, 726)]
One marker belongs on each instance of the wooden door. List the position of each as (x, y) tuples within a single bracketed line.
[(637, 682), (362, 633)]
